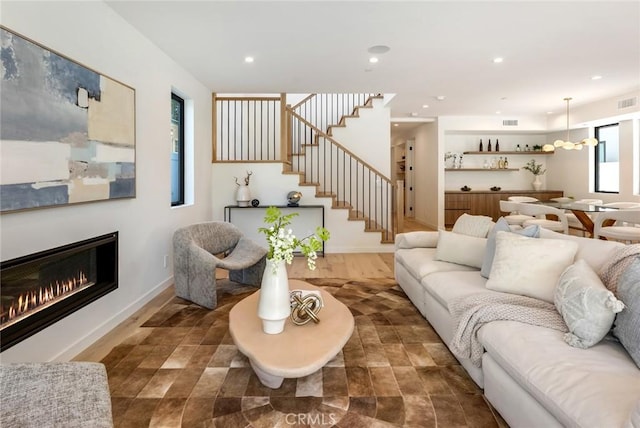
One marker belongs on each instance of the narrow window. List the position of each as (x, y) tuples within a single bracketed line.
[(177, 150), (607, 159)]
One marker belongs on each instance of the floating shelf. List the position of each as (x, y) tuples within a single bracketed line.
[(482, 169), (530, 152)]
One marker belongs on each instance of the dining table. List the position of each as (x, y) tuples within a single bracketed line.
[(581, 211)]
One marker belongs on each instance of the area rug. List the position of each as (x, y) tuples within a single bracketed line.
[(181, 369)]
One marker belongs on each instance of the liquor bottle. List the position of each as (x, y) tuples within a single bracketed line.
[(497, 145), (518, 148), (526, 148), (506, 163), (480, 147), (489, 145), (500, 163)]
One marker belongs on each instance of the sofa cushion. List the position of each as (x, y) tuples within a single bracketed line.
[(595, 251), (529, 267), (461, 249), (445, 286), (596, 387), (502, 225), (473, 225), (585, 304), (634, 417), (627, 325), (421, 262)]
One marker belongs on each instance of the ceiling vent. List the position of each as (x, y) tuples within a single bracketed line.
[(510, 122), (629, 102)]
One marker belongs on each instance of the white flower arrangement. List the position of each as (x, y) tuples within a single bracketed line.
[(282, 242)]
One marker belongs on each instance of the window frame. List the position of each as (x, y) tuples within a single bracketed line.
[(596, 157), (181, 148)]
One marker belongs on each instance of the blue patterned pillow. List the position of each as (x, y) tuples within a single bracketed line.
[(627, 323)]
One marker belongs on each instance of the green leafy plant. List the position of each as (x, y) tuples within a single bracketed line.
[(534, 168), (282, 242)]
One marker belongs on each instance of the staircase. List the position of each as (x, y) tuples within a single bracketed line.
[(305, 145)]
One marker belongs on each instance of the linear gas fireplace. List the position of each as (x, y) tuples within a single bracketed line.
[(39, 289)]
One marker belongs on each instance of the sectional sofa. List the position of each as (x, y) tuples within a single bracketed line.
[(529, 373)]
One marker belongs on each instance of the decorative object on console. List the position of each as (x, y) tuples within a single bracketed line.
[(495, 189), (243, 194), (274, 305), (567, 144), (255, 203), (465, 188), (67, 132), (293, 197)]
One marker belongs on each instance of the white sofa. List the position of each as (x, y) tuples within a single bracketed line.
[(528, 373)]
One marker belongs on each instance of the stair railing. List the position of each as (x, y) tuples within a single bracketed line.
[(326, 110), (248, 129), (339, 173)]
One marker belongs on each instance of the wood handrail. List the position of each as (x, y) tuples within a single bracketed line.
[(247, 98), (349, 152), (304, 101)]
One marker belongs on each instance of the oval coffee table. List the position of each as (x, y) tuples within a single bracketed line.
[(299, 350)]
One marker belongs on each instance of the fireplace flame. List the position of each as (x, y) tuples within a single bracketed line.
[(36, 299)]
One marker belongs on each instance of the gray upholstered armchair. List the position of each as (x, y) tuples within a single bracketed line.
[(195, 263)]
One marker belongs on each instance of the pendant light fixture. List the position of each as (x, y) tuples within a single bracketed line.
[(567, 144)]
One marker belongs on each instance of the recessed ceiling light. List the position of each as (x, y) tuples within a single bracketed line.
[(498, 112), (549, 112), (425, 105), (248, 59), (379, 49), (498, 60), (414, 114), (596, 77), (395, 124), (440, 97), (373, 60)]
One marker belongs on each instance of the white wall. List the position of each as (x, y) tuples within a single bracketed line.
[(92, 34), (369, 136)]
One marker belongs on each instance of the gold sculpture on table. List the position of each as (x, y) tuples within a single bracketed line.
[(305, 308)]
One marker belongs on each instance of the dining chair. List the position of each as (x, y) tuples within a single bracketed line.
[(572, 220), (625, 229), (540, 212), (522, 199), (514, 218), (623, 205)]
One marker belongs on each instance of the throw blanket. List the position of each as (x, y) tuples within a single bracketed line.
[(473, 311), (616, 265)]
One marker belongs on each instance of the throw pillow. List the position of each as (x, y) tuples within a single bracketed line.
[(627, 324), (473, 225), (460, 249), (585, 304), (529, 267), (502, 225)]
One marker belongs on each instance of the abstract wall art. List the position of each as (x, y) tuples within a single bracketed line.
[(67, 133)]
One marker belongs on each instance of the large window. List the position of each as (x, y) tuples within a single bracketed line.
[(607, 158), (177, 150)]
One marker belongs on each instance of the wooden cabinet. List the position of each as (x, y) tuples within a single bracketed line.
[(487, 203)]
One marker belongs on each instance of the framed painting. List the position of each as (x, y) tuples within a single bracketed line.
[(67, 133)]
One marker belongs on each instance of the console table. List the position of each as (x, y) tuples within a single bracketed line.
[(249, 219)]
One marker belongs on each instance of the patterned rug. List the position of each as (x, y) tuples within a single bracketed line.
[(181, 369)]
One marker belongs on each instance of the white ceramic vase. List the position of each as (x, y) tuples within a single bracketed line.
[(243, 195), (274, 306), (537, 184)]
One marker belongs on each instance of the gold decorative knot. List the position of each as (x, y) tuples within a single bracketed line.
[(305, 310)]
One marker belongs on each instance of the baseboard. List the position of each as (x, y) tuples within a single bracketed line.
[(84, 342), (384, 248)]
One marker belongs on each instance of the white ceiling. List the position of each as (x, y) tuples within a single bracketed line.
[(551, 50)]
